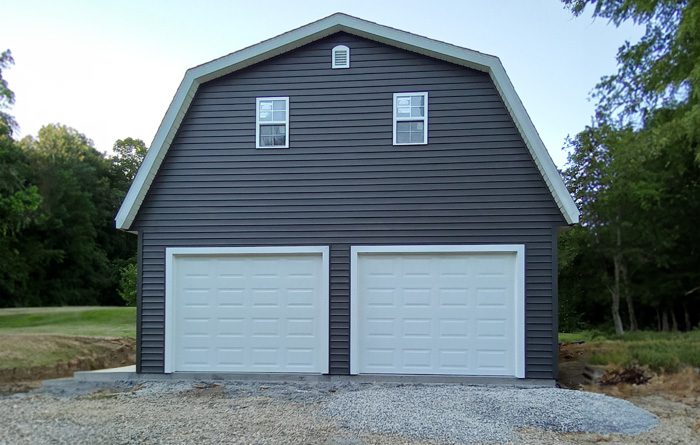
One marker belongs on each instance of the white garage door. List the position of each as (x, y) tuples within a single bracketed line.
[(248, 312), (437, 313)]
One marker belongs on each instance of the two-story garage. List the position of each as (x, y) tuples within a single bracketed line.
[(348, 198)]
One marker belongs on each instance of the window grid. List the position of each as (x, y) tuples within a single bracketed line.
[(272, 122), (410, 118)]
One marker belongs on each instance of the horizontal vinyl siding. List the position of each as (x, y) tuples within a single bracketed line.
[(343, 183)]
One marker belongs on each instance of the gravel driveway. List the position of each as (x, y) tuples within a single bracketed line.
[(319, 413)]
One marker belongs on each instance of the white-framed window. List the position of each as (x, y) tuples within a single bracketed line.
[(410, 118), (340, 57), (272, 122)]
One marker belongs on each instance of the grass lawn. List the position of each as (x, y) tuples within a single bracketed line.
[(72, 321), (660, 351), (39, 343)]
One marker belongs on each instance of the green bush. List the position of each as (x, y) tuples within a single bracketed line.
[(660, 351), (656, 357), (127, 284), (586, 336)]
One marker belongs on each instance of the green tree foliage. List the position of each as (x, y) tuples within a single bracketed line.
[(58, 198), (19, 198), (7, 97), (72, 177), (660, 70), (129, 154), (636, 176), (121, 246), (72, 252), (127, 284)]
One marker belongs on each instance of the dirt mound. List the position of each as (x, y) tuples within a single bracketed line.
[(29, 358)]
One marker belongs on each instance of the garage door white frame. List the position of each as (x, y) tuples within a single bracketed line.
[(517, 249), (172, 252)]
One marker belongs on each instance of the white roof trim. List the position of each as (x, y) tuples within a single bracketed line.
[(314, 31)]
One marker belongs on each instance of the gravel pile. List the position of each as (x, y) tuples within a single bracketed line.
[(304, 413), (466, 414), (160, 413)]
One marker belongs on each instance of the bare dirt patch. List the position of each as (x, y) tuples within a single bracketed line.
[(25, 360), (673, 397)]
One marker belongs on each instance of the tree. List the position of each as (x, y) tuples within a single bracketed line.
[(58, 198), (659, 71), (19, 198), (129, 154), (636, 171), (127, 284), (72, 178), (602, 177), (7, 97)]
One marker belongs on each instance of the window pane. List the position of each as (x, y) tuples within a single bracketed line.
[(280, 105), (403, 132), (403, 137), (279, 116), (410, 132), (417, 137), (403, 126), (403, 111), (417, 101), (265, 111), (417, 111), (410, 106), (272, 135)]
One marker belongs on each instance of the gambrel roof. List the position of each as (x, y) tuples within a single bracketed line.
[(312, 32)]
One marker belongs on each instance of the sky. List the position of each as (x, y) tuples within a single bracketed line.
[(110, 68)]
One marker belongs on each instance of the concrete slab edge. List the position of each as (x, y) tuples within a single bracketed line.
[(106, 376)]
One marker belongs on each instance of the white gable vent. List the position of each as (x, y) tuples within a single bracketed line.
[(341, 57)]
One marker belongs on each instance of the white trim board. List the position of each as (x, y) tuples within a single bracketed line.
[(519, 287), (172, 252), (317, 30)]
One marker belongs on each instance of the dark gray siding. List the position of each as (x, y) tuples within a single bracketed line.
[(343, 183)]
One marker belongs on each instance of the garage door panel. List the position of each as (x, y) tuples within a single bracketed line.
[(381, 297), (416, 328), (380, 359), (454, 359), (453, 298), (230, 297), (299, 298), (487, 329), (300, 327), (436, 313), (417, 358), (381, 327), (419, 298), (452, 328), (491, 360), (249, 313), (494, 299)]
